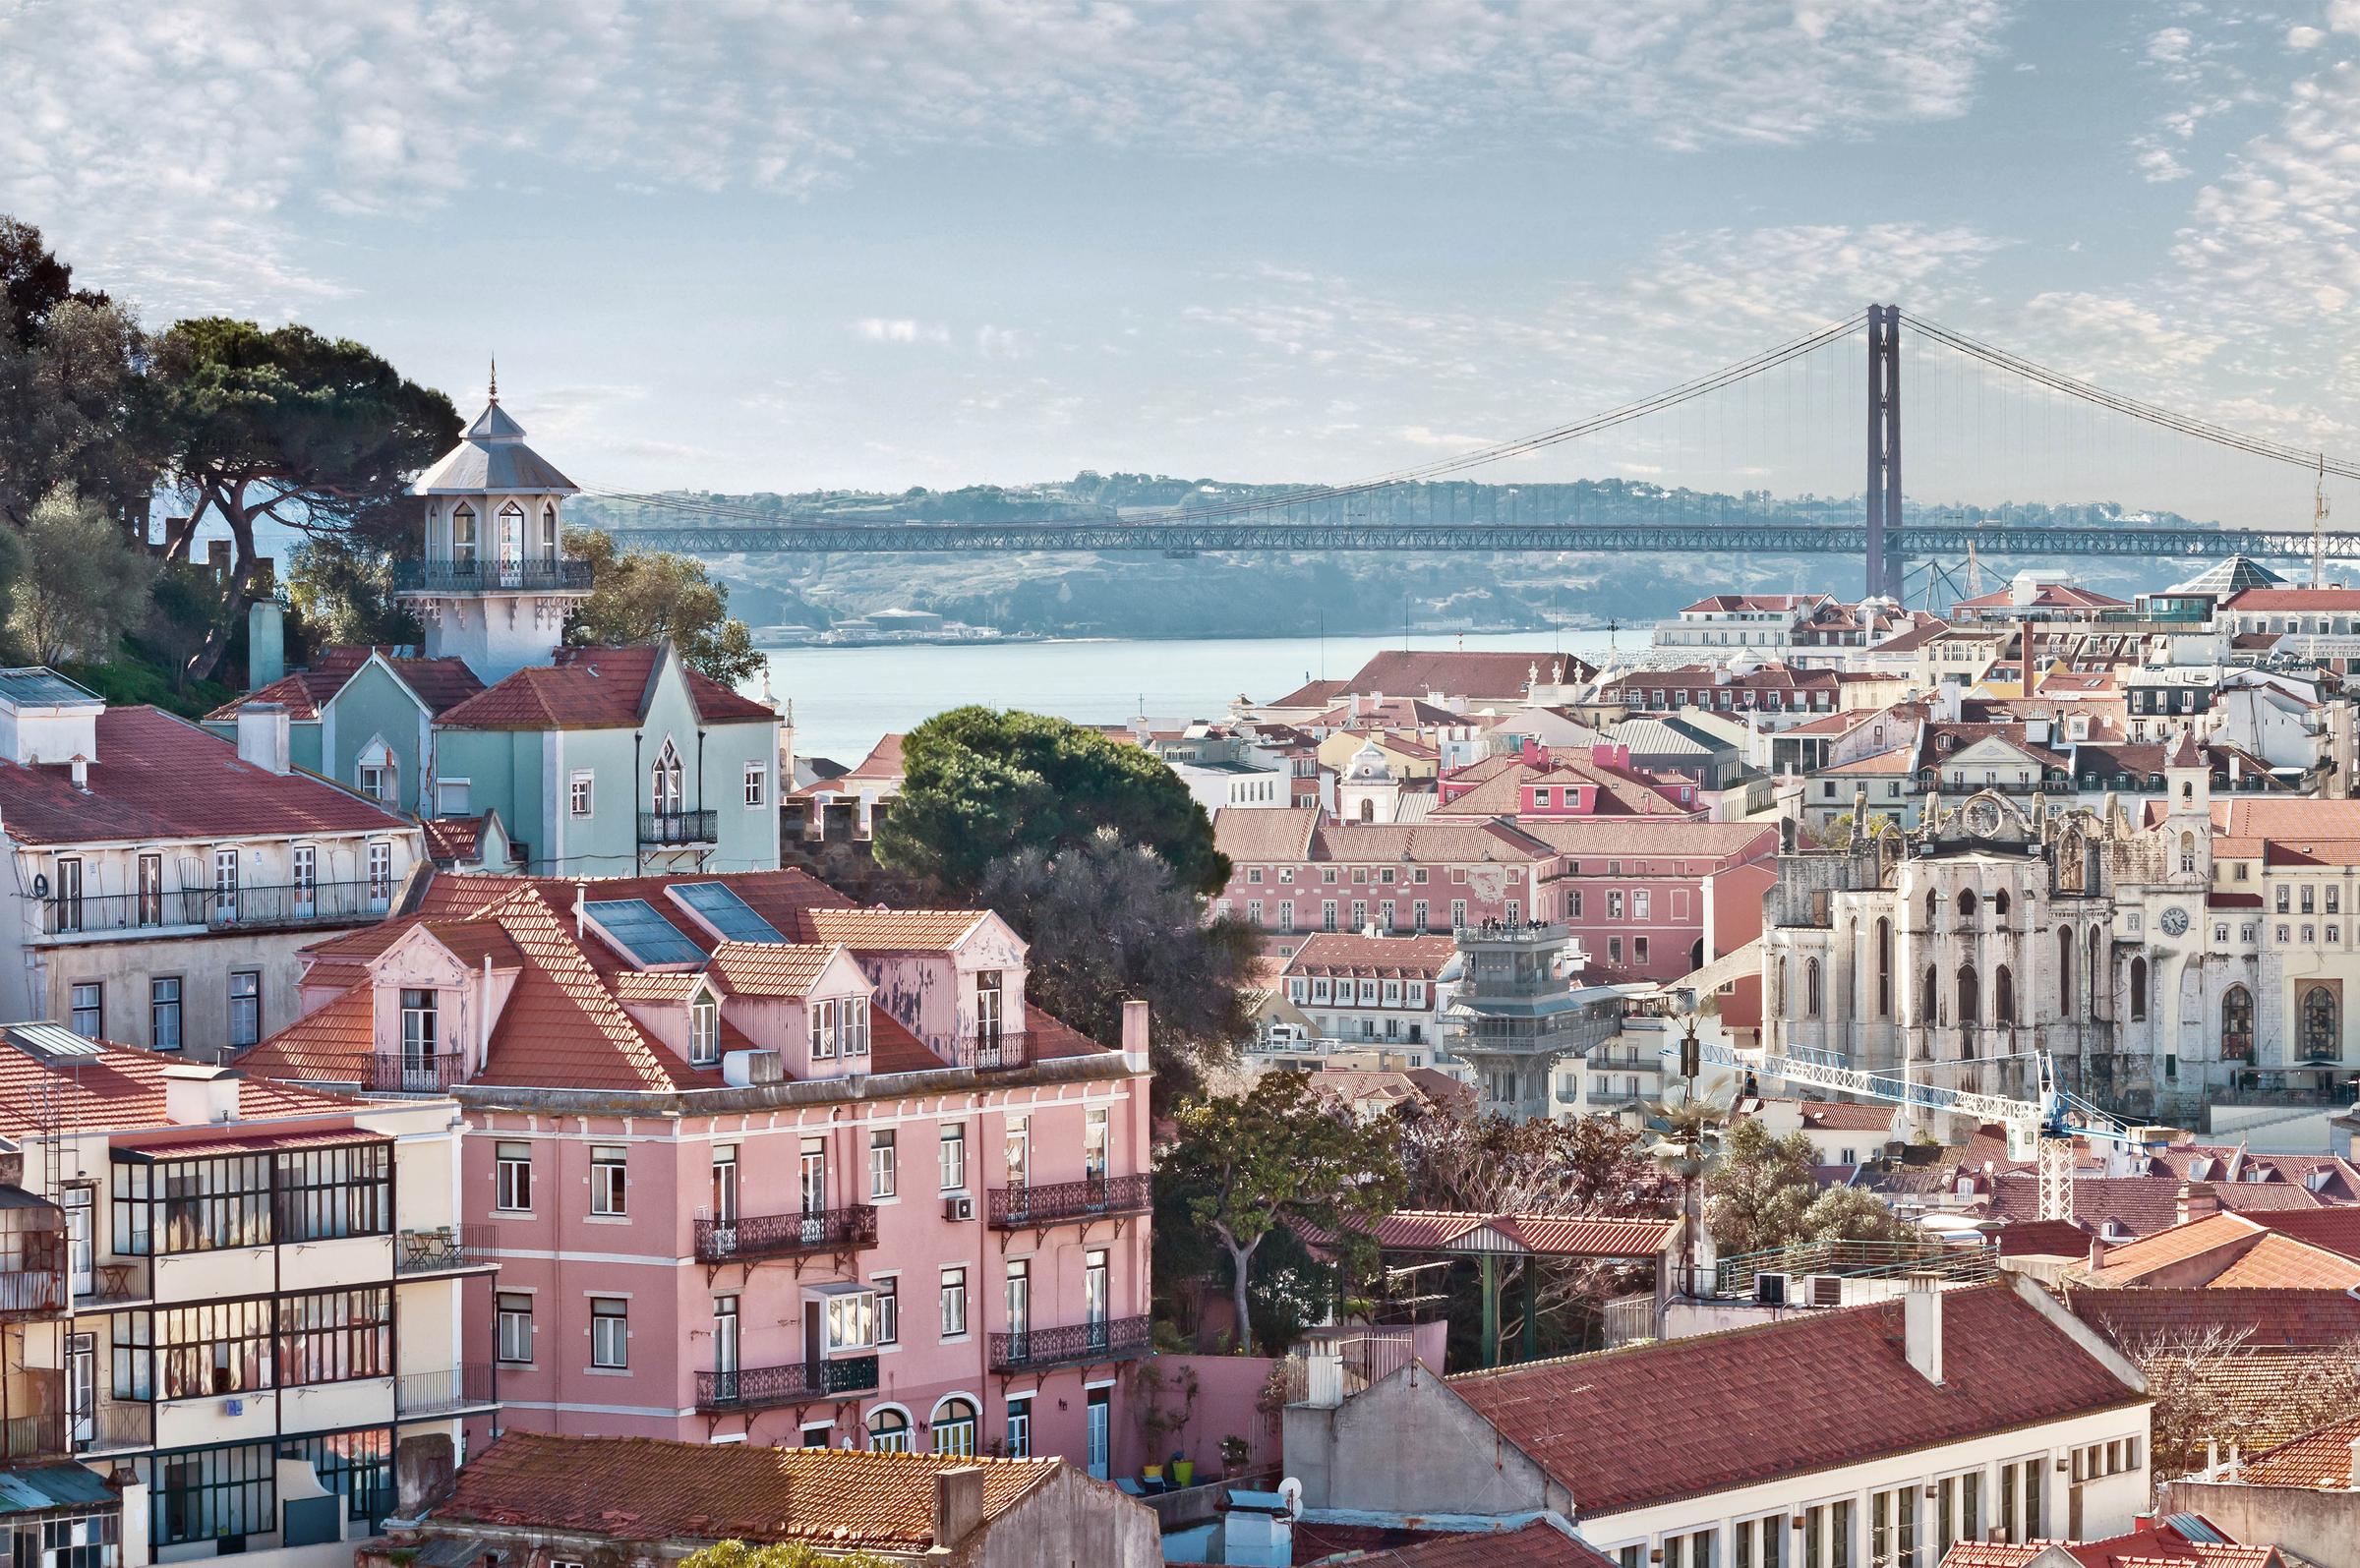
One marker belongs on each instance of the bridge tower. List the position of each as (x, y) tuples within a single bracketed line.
[(1884, 447)]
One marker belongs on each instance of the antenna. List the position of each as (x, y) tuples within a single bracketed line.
[(2319, 526)]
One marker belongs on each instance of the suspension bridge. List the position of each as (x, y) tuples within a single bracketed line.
[(1420, 508)]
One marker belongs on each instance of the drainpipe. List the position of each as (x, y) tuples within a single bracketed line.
[(483, 1029)]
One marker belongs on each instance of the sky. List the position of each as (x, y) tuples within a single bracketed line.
[(742, 246)]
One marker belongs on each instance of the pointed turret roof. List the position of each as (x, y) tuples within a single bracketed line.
[(492, 459), (2231, 576), (2186, 754)]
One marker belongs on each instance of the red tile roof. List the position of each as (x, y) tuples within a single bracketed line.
[(1835, 1117), (454, 838), (2281, 1262), (2042, 1239), (1431, 1230), (124, 1087), (593, 688), (161, 777), (2160, 1547), (1316, 694), (2226, 1234), (1539, 1545), (769, 969), (1373, 958), (439, 683), (1788, 1398), (1497, 675), (1264, 834), (333, 1043), (645, 1489), (890, 930), (2319, 1460), (2270, 1319)]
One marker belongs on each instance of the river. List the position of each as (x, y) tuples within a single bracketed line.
[(845, 698)]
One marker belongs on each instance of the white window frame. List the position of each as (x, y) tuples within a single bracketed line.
[(610, 1180), (513, 1178), (704, 1028), (581, 797), (758, 782), (610, 1333)]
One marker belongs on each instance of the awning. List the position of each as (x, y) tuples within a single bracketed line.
[(258, 1143)]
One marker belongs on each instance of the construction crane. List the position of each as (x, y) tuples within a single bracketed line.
[(2041, 1130)]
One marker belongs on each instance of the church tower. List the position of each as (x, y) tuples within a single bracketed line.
[(495, 587), (2188, 819), (1368, 791)]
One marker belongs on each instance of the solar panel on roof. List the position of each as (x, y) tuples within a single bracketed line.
[(717, 904), (633, 925), (51, 1041)]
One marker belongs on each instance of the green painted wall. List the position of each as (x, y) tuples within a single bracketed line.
[(375, 702)]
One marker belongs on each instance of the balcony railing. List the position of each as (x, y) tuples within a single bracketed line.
[(763, 1387), (443, 1248), (834, 1230), (116, 1426), (216, 908), (116, 1279), (491, 576), (31, 1291), (1108, 1340), (1001, 1048), (679, 826), (393, 1073), (36, 1425), (1094, 1198), (467, 1386)]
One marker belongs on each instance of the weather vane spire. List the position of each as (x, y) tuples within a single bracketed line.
[(495, 377)]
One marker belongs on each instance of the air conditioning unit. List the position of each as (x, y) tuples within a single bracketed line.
[(1823, 1290), (958, 1209), (1770, 1290)]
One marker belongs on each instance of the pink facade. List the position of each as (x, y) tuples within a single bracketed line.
[(1636, 899)]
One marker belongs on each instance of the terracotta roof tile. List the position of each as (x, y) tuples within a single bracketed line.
[(454, 838), (2177, 1243), (334, 1043), (590, 688), (2271, 1319), (561, 1025), (1836, 1116), (769, 969), (2158, 1547), (2321, 1460), (160, 777), (1264, 834), (124, 1086), (2281, 1262), (890, 930), (1539, 1545), (1453, 672), (1802, 1395), (630, 985), (1374, 957), (645, 1489)]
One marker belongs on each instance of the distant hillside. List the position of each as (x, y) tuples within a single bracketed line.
[(1257, 594)]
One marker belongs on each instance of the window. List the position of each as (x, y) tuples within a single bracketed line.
[(1638, 950), (1956, 1511), (889, 1431), (1613, 906), (1759, 1543), (2285, 899), (822, 1016), (334, 1336), (88, 1000), (1893, 1528), (580, 795), (213, 1492), (955, 1428), (1016, 1150), (2237, 1025), (513, 1178), (163, 1013), (345, 1190), (2137, 990), (1019, 1298), (381, 873), (725, 1183), (704, 1030), (2320, 1041), (2310, 898), (380, 782), (2003, 996), (726, 1342), (2020, 1499), (756, 775), (667, 782), (152, 890), (1458, 912), (1094, 1144), (549, 532), (854, 1014), (607, 1186), (954, 1303), (462, 533), (1020, 1428), (1614, 950), (1639, 905), (880, 1163), (419, 1032), (1884, 968), (225, 884), (609, 1331), (852, 1321), (889, 1310), (245, 1006), (953, 1156)]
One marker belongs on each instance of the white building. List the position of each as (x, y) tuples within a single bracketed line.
[(1244, 785)]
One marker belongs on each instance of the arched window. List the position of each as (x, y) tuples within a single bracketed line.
[(1933, 907), (2090, 976), (2065, 973), (1778, 1003), (889, 1431), (1810, 987), (704, 1028), (665, 780), (2237, 1025), (2187, 792), (462, 533), (1367, 809), (1884, 968), (511, 534), (2187, 851), (2000, 903), (1970, 997), (1929, 1000), (2003, 996), (549, 530), (1966, 904), (2321, 1042), (955, 1428), (2137, 990)]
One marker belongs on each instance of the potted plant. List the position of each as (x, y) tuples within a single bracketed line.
[(1235, 1452), (1184, 1469)]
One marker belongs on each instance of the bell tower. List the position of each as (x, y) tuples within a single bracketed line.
[(2188, 819), (493, 587)]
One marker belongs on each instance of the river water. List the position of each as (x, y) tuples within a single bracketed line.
[(845, 698)]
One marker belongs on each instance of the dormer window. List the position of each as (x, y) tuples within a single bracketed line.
[(704, 1028), (462, 533), (823, 1030)]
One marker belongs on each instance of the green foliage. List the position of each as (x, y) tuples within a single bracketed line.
[(1105, 925), (643, 596), (1279, 1154), (780, 1555), (81, 584), (69, 378), (980, 784), (343, 592), (131, 681), (1764, 1195)]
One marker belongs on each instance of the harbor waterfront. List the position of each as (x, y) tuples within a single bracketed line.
[(846, 698)]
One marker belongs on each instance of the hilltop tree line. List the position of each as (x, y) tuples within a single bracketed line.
[(235, 427)]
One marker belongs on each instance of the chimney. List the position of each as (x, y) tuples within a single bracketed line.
[(1922, 1326), (197, 1095), (1532, 751), (958, 1504), (1135, 1035), (2197, 1201), (2356, 1475), (2098, 1253), (81, 773), (262, 736)]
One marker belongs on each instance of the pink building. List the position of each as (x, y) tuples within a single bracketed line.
[(1295, 870), (1562, 784), (1641, 898), (761, 1166)]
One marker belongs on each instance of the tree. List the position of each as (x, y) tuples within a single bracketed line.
[(643, 596), (1764, 1195), (978, 784), (69, 387), (780, 1555), (1105, 925), (1281, 1155), (343, 593), (285, 425), (82, 586), (2214, 1390)]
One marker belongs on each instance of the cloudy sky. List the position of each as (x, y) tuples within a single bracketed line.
[(741, 245)]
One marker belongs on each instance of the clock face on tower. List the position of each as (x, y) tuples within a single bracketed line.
[(2175, 921), (1982, 818)]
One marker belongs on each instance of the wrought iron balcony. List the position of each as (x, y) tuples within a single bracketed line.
[(679, 826), (431, 577), (992, 1051), (1118, 1339), (218, 909), (765, 1388), (443, 1248), (1016, 1208), (835, 1230), (393, 1072), (467, 1386)]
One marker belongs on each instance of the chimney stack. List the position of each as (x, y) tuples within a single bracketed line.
[(197, 1095), (1921, 1326), (2196, 1200), (958, 1504), (1135, 1035), (262, 737), (2098, 1253)]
